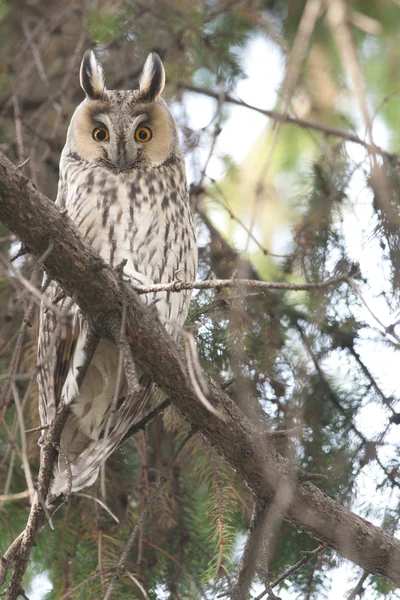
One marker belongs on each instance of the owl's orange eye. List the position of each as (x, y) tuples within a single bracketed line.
[(100, 134), (143, 134)]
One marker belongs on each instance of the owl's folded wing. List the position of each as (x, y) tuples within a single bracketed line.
[(58, 338)]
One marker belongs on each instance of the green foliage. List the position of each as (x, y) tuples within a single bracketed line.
[(105, 26)]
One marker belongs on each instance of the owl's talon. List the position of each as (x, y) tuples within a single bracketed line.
[(119, 269)]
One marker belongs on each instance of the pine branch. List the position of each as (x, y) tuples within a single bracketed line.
[(84, 275)]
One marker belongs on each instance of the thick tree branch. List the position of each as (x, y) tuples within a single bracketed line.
[(37, 222)]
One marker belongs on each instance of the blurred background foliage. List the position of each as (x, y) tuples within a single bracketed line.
[(301, 204)]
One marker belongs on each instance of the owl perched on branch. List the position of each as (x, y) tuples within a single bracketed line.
[(122, 181)]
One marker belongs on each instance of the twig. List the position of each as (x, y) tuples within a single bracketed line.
[(163, 478), (309, 17), (21, 548), (177, 286), (16, 496), (39, 428), (303, 561), (335, 401), (99, 502), (80, 585), (252, 552), (28, 285), (191, 359), (139, 585), (386, 330), (224, 204), (36, 55), (18, 344), (216, 132)]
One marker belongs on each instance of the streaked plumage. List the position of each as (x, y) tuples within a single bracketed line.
[(128, 197)]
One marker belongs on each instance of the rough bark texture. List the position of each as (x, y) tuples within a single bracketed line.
[(37, 223)]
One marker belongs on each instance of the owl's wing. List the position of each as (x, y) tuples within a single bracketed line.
[(85, 454), (56, 349), (85, 440)]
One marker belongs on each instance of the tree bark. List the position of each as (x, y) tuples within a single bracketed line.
[(38, 223)]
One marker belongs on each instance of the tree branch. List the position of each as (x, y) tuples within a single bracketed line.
[(285, 118), (218, 284), (83, 274)]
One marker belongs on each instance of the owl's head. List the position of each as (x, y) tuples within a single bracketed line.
[(123, 130)]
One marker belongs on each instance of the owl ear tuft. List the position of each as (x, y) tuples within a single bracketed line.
[(152, 78), (92, 76)]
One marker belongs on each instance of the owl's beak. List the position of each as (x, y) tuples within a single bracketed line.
[(123, 159)]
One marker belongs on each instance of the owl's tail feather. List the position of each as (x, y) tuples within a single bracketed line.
[(81, 458)]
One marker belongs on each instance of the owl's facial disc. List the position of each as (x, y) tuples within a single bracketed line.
[(124, 135), (123, 146)]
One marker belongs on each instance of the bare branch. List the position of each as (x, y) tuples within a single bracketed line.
[(308, 557), (303, 123), (218, 284)]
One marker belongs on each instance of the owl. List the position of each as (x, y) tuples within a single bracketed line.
[(122, 182)]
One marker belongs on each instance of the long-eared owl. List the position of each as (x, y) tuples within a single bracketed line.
[(122, 181)]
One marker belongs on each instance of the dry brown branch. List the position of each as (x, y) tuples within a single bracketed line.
[(36, 221), (18, 554), (289, 120), (218, 284)]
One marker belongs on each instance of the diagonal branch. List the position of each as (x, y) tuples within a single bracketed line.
[(299, 122), (83, 274)]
